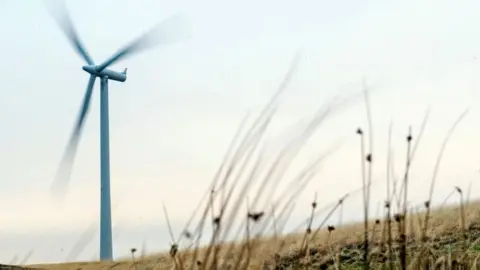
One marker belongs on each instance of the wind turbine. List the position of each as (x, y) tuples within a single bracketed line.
[(167, 32)]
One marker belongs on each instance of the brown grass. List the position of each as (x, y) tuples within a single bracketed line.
[(407, 238), (445, 242)]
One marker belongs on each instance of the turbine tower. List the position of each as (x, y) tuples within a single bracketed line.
[(166, 32)]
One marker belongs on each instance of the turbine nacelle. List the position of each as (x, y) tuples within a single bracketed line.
[(110, 74)]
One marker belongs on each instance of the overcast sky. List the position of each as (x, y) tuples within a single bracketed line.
[(172, 120)]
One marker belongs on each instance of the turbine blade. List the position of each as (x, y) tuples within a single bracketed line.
[(63, 19), (63, 174), (27, 257), (173, 29), (13, 260), (85, 239)]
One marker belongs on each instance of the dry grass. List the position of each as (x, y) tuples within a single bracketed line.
[(243, 201), (444, 244)]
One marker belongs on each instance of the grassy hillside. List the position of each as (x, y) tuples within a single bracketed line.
[(249, 178), (336, 247)]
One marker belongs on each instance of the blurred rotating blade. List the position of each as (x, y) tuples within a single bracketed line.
[(171, 30), (27, 257), (85, 239), (62, 178), (61, 16)]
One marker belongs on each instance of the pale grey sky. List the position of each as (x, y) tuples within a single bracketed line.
[(173, 118)]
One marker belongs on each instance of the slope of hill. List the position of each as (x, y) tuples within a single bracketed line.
[(447, 238), (444, 246)]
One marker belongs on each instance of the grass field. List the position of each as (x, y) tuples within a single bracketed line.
[(406, 237), (340, 248)]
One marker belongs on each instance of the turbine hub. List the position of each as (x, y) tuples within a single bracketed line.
[(92, 69), (108, 73)]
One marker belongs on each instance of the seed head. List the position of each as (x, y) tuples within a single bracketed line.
[(256, 216), (459, 190), (330, 228), (216, 221), (409, 138), (369, 158), (387, 204), (187, 234), (398, 217), (359, 131), (377, 221), (173, 250), (133, 250), (309, 230), (314, 205), (427, 204)]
